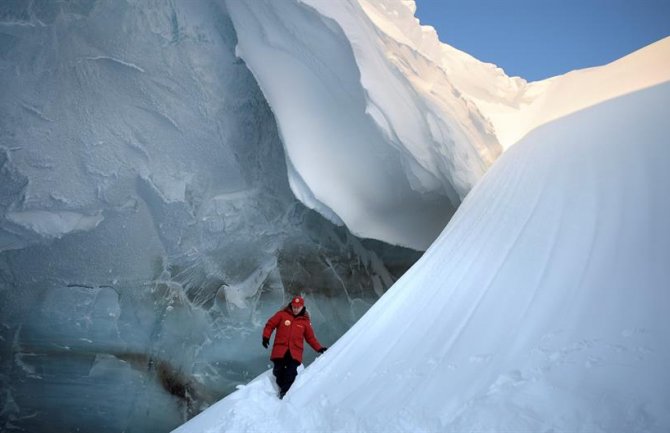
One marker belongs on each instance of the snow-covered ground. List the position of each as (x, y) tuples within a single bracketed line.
[(541, 307)]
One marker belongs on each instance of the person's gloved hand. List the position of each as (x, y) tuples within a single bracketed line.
[(266, 342), (323, 349)]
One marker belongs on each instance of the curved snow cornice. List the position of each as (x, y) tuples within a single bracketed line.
[(385, 128), (374, 131)]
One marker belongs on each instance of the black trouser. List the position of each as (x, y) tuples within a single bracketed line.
[(285, 370)]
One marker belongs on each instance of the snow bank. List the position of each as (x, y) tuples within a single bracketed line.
[(541, 307)]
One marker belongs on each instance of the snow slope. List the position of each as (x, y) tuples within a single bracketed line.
[(542, 306)]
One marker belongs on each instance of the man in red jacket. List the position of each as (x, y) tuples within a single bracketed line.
[(292, 325)]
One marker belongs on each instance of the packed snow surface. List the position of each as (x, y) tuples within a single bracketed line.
[(542, 306)]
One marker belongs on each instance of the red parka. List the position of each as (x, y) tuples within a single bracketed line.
[(291, 330)]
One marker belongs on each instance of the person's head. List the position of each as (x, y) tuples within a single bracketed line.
[(297, 304)]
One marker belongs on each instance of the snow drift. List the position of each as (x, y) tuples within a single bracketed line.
[(541, 307)]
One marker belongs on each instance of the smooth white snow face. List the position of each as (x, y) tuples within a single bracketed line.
[(385, 128), (547, 100), (541, 307)]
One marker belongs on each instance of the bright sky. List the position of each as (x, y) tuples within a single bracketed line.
[(537, 39)]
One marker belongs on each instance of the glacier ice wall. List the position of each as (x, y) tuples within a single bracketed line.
[(147, 227)]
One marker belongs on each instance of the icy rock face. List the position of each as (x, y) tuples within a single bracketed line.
[(147, 227)]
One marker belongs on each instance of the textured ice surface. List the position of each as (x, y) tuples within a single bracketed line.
[(147, 227)]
